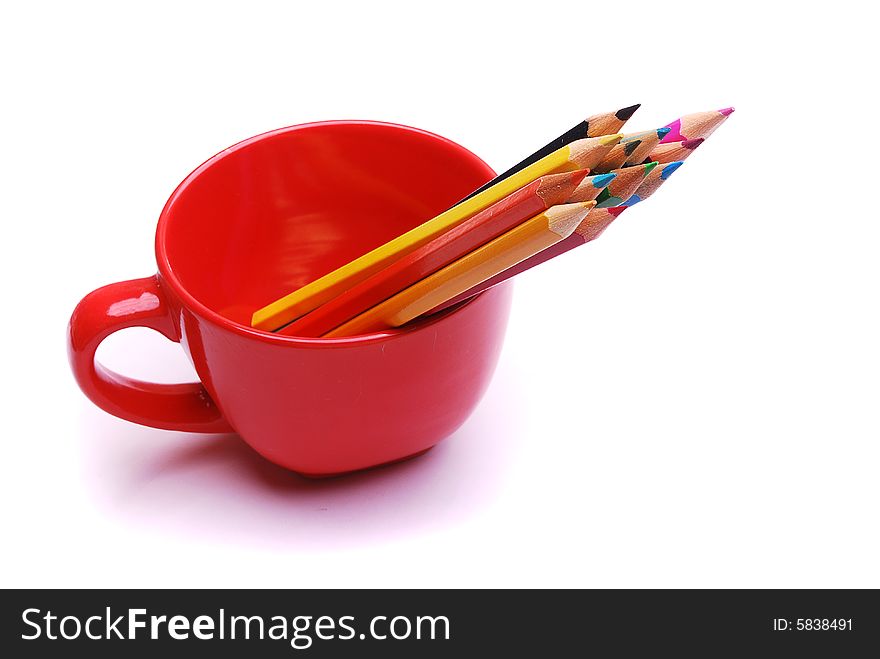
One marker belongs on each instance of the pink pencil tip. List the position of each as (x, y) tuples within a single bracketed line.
[(726, 111), (692, 144)]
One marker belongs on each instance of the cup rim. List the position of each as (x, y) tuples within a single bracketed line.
[(167, 274)]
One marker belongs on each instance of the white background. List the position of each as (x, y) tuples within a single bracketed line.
[(690, 401)]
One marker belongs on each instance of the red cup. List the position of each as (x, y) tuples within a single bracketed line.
[(265, 217)]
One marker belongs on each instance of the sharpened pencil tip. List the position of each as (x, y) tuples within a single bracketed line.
[(629, 147), (617, 210), (669, 168), (625, 113), (663, 132), (727, 111), (649, 166), (563, 218), (578, 175), (692, 144), (605, 140), (602, 180)]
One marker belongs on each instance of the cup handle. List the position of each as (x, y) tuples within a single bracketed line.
[(135, 303)]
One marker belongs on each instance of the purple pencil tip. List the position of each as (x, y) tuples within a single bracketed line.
[(726, 111), (692, 144)]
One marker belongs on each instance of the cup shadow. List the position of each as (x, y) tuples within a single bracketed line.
[(217, 488)]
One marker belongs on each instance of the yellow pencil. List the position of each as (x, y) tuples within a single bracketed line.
[(581, 154), (518, 244)]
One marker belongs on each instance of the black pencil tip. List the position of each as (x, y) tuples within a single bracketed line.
[(629, 147), (625, 113)]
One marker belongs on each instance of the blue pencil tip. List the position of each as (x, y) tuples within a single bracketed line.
[(663, 132), (632, 200), (669, 168), (602, 180)]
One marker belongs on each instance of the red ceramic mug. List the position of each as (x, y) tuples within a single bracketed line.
[(258, 220)]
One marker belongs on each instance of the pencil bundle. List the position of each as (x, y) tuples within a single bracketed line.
[(538, 196), (562, 196), (580, 154), (632, 149), (526, 240)]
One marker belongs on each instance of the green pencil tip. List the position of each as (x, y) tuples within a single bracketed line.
[(649, 166), (609, 202)]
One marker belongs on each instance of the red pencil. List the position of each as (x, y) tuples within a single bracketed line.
[(516, 208), (592, 226)]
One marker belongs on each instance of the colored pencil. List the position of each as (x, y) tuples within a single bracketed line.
[(617, 156), (654, 180), (488, 224), (580, 154), (591, 187), (521, 242), (647, 143), (602, 215), (607, 123), (592, 227), (697, 125), (630, 178), (632, 149), (672, 151), (589, 229)]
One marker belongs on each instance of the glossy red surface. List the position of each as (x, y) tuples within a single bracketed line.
[(258, 220)]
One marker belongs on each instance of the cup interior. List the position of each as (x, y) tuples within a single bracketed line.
[(275, 212)]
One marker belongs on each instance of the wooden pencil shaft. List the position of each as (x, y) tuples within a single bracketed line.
[(429, 292), (564, 245), (574, 133), (512, 247), (602, 124), (299, 302), (590, 227), (486, 225)]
